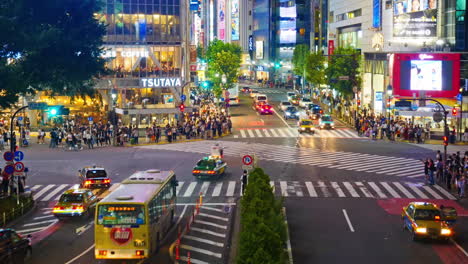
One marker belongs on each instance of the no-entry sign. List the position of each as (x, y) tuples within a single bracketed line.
[(247, 160)]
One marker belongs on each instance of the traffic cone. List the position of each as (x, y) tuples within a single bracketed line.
[(177, 255), (188, 258)]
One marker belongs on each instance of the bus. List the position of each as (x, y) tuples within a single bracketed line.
[(131, 221), (233, 95)]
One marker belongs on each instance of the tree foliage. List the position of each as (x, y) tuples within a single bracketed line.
[(300, 55), (263, 232), (52, 45), (315, 69), (223, 58), (344, 62)]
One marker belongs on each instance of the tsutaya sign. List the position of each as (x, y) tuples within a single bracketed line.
[(159, 82), (126, 53)]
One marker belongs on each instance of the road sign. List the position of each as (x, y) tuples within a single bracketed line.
[(90, 118), (183, 98), (459, 97), (20, 118), (37, 106), (247, 167), (19, 166), (9, 169), (19, 155), (437, 116), (8, 156), (247, 160), (343, 78)]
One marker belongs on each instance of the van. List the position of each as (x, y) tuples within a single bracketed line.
[(261, 98)]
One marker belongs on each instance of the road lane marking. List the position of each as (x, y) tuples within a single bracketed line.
[(206, 241), (210, 223), (266, 133), (212, 209), (273, 132), (236, 136), (181, 183), (432, 192), (80, 255), (214, 217), (217, 189), (243, 133), (272, 185), (251, 134), (403, 190), (447, 194), (204, 187), (377, 190), (281, 133), (42, 217), (258, 133), (40, 223), (35, 187), (41, 192), (459, 247), (364, 190), (297, 188), (231, 188), (54, 192), (416, 190), (288, 131), (192, 260), (199, 250), (282, 119), (288, 241), (208, 232), (338, 189), (30, 230), (350, 189), (348, 221), (284, 188), (390, 190), (190, 189), (324, 189)]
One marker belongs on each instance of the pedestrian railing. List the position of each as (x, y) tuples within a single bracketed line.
[(23, 207)]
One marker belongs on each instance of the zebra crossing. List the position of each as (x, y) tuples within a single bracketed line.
[(315, 189), (293, 132), (360, 162)]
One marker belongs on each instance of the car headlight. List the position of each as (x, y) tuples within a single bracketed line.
[(421, 230), (297, 114), (303, 128), (445, 231), (288, 113), (332, 123)]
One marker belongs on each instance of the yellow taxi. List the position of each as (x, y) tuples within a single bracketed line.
[(75, 202), (427, 220), (306, 125)]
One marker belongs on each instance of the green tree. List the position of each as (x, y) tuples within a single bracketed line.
[(300, 55), (344, 62), (49, 46), (223, 58), (315, 69)]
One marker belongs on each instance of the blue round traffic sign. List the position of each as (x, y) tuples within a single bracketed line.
[(19, 155), (9, 169), (8, 156), (183, 97), (247, 160), (19, 167)]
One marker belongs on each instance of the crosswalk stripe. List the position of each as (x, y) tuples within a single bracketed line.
[(350, 189), (281, 133), (298, 190), (76, 186), (340, 133), (324, 189), (231, 187), (351, 134), (377, 190), (284, 188), (364, 190), (273, 132), (204, 188), (266, 133), (390, 190), (337, 189), (236, 136), (310, 189), (54, 192), (243, 133), (416, 190), (181, 183), (429, 190), (190, 189), (447, 194), (41, 192), (403, 190), (251, 134), (272, 185), (288, 131), (258, 133), (35, 187), (217, 189)]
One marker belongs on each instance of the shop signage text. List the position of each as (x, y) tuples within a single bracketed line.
[(425, 56), (159, 82), (126, 53)]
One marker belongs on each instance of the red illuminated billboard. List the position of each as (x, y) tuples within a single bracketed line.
[(434, 74)]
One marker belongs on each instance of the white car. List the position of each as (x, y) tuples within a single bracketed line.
[(290, 95), (254, 93), (233, 100), (283, 105), (304, 102), (261, 98)]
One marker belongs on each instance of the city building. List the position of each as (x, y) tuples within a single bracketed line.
[(421, 31)]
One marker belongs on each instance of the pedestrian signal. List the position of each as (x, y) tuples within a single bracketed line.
[(182, 108), (454, 111), (445, 138)]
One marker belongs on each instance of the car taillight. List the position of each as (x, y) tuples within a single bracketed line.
[(88, 182), (237, 100), (79, 207), (107, 181), (140, 252), (102, 252), (211, 172), (195, 171)]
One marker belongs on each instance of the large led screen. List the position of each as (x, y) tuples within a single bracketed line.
[(415, 18), (435, 74), (235, 20)]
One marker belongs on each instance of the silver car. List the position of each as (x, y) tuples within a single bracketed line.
[(284, 105)]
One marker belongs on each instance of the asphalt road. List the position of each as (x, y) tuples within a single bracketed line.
[(314, 174)]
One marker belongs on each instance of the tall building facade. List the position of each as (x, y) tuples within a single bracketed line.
[(146, 46)]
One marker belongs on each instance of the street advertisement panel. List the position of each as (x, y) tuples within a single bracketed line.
[(259, 49), (234, 19), (434, 74), (415, 18), (221, 19), (287, 22)]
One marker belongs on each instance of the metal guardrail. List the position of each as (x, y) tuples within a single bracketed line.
[(17, 211)]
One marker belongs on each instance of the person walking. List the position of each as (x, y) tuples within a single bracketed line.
[(426, 170), (432, 169), (462, 185)]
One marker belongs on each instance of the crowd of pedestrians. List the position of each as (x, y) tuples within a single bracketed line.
[(452, 174)]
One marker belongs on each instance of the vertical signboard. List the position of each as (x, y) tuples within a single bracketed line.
[(221, 20), (415, 19), (331, 47), (251, 47), (193, 54), (259, 49), (377, 13), (234, 19)]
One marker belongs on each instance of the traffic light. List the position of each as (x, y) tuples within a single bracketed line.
[(205, 84), (454, 111), (182, 108), (358, 102), (277, 65), (445, 138), (389, 103), (57, 110)]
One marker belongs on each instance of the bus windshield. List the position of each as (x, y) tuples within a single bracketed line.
[(121, 214)]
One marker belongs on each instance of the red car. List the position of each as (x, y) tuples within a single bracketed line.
[(264, 109)]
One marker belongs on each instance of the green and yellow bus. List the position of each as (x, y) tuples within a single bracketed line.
[(131, 221)]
